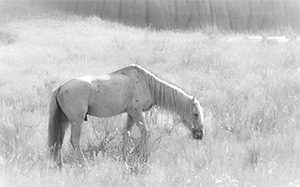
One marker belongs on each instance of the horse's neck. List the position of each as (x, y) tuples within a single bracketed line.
[(170, 98), (165, 95)]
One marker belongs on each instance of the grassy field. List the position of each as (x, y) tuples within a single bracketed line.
[(250, 91)]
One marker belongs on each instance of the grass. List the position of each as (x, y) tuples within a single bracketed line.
[(249, 89)]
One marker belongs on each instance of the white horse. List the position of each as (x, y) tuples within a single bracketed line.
[(131, 89)]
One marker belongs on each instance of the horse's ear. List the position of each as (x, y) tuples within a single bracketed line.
[(194, 100)]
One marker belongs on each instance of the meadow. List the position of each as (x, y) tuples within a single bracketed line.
[(249, 89)]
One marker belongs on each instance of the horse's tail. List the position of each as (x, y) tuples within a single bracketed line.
[(56, 124)]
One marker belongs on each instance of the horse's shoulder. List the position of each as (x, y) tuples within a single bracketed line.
[(131, 72)]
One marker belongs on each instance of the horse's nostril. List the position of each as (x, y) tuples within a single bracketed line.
[(197, 134)]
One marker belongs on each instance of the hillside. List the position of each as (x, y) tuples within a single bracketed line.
[(230, 15)]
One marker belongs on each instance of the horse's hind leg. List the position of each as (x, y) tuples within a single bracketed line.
[(73, 100), (75, 140), (58, 156)]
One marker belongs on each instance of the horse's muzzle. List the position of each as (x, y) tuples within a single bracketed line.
[(197, 134)]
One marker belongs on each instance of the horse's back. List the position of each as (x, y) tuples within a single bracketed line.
[(102, 96)]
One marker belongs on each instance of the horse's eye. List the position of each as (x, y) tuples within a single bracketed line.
[(196, 115)]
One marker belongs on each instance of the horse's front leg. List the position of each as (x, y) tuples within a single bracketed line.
[(140, 122), (126, 134)]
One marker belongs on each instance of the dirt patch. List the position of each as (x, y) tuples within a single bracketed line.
[(7, 38)]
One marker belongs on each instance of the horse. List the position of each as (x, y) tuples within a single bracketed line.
[(132, 90)]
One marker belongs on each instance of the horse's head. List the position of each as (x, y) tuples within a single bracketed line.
[(193, 119)]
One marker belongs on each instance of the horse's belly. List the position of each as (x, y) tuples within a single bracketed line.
[(106, 109), (109, 103)]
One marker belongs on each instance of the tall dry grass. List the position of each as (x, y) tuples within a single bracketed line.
[(249, 89)]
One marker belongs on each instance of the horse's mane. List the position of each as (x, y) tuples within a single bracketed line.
[(164, 94)]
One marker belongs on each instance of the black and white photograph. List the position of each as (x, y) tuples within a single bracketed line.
[(149, 93)]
